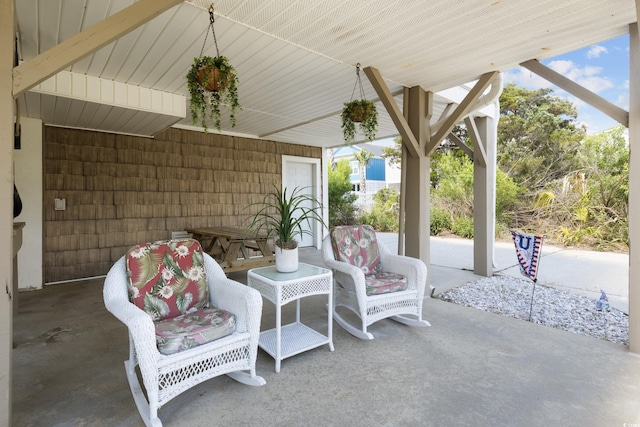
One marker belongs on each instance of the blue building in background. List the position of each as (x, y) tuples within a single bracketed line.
[(375, 172)]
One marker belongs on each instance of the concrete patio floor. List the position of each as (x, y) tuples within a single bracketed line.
[(471, 368)]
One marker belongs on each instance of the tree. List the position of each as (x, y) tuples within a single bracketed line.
[(363, 157), (605, 161), (383, 216), (341, 199), (538, 136), (394, 154), (600, 208)]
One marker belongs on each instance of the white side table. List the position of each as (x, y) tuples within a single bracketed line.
[(282, 288)]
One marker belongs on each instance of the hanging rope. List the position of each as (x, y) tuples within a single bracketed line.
[(215, 41), (358, 83)]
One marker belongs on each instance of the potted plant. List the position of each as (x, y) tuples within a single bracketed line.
[(212, 81), (360, 111), (281, 215)]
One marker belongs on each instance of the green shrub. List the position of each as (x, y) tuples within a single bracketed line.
[(379, 219), (440, 221), (463, 227), (342, 210), (383, 216)]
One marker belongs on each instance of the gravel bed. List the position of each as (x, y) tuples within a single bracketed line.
[(551, 307)]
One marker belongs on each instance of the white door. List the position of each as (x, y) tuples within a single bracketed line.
[(300, 174)]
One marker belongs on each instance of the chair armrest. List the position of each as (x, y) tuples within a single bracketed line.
[(139, 323), (338, 266), (412, 268), (349, 276), (244, 302), (345, 268)]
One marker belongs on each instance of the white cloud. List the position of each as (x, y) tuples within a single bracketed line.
[(562, 66), (596, 51), (525, 78), (623, 101), (587, 76)]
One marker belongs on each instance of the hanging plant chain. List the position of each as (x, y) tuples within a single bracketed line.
[(213, 83), (212, 20), (358, 84), (360, 111)]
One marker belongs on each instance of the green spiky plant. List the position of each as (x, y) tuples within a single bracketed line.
[(282, 215), (205, 103), (363, 111)]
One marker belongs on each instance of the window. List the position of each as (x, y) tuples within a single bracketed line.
[(355, 168)]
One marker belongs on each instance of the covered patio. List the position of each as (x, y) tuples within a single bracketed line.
[(103, 82), (471, 368)]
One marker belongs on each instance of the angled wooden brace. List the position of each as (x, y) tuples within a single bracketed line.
[(461, 110), (408, 138), (611, 110), (38, 69)]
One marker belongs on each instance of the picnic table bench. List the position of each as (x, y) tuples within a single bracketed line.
[(230, 246)]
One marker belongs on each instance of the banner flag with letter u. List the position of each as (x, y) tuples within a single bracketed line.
[(528, 253)]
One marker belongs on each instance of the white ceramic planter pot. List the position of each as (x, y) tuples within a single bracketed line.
[(286, 260)]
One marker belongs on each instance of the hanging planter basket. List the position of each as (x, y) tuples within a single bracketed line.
[(361, 111), (212, 83), (209, 78)]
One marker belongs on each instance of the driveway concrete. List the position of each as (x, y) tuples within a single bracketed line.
[(576, 271)]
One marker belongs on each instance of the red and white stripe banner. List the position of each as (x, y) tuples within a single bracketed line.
[(528, 253)]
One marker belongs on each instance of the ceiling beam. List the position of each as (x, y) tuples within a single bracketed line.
[(85, 88), (461, 111), (408, 138), (36, 70), (313, 119), (616, 113)]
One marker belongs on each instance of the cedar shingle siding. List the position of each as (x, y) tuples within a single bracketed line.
[(122, 190)]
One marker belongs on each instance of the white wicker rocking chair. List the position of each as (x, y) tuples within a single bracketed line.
[(167, 375), (362, 290)]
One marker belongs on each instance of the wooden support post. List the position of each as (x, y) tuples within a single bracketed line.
[(403, 179), (634, 189), (483, 136), (418, 183), (7, 49)]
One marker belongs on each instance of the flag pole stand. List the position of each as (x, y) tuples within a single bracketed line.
[(528, 254), (531, 303)]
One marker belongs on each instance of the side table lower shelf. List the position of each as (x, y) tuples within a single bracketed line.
[(295, 338), (282, 288)]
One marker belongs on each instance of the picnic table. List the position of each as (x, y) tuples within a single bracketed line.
[(231, 247)]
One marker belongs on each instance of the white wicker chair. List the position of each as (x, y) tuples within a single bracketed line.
[(350, 290), (166, 376)]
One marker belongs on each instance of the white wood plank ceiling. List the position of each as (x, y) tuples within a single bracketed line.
[(296, 58)]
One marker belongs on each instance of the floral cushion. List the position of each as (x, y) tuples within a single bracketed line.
[(384, 282), (357, 245), (167, 278), (198, 326)]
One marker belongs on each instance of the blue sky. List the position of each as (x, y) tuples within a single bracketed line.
[(602, 68)]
